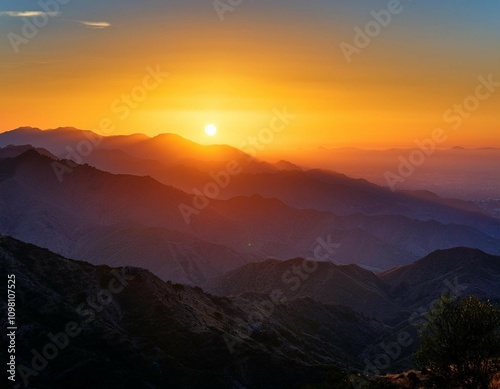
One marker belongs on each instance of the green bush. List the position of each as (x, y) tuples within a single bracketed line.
[(460, 342)]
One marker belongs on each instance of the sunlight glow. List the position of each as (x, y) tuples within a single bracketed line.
[(210, 130)]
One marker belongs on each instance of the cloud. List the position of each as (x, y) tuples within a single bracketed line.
[(95, 24), (27, 14)]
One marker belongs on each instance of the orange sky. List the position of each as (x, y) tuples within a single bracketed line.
[(235, 73)]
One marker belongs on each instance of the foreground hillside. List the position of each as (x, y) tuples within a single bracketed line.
[(151, 334), (135, 331)]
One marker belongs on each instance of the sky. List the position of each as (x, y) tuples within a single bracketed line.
[(151, 66)]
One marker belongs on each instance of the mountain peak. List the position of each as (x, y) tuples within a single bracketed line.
[(12, 151), (27, 129), (286, 165), (65, 129), (455, 253)]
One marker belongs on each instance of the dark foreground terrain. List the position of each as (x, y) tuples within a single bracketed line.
[(86, 326)]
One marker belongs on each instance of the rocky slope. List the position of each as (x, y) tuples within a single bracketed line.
[(129, 329)]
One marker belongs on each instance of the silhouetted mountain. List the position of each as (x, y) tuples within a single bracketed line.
[(119, 162), (186, 165), (101, 217), (395, 292), (325, 282), (337, 193), (463, 173), (149, 333), (461, 270), (285, 165), (112, 219), (14, 151), (165, 148), (132, 330)]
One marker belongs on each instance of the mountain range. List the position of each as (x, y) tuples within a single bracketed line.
[(135, 330), (159, 262), (149, 333), (276, 211), (450, 172)]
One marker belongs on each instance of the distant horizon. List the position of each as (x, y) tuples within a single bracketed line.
[(409, 146), (344, 73)]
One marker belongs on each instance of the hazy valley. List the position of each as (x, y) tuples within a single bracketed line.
[(301, 270)]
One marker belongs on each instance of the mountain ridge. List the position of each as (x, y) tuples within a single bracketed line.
[(38, 208), (151, 333)]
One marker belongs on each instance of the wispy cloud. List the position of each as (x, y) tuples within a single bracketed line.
[(95, 24), (27, 14)]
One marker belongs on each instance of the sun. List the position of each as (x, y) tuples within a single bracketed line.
[(210, 130)]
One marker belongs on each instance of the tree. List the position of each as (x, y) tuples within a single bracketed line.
[(460, 342)]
